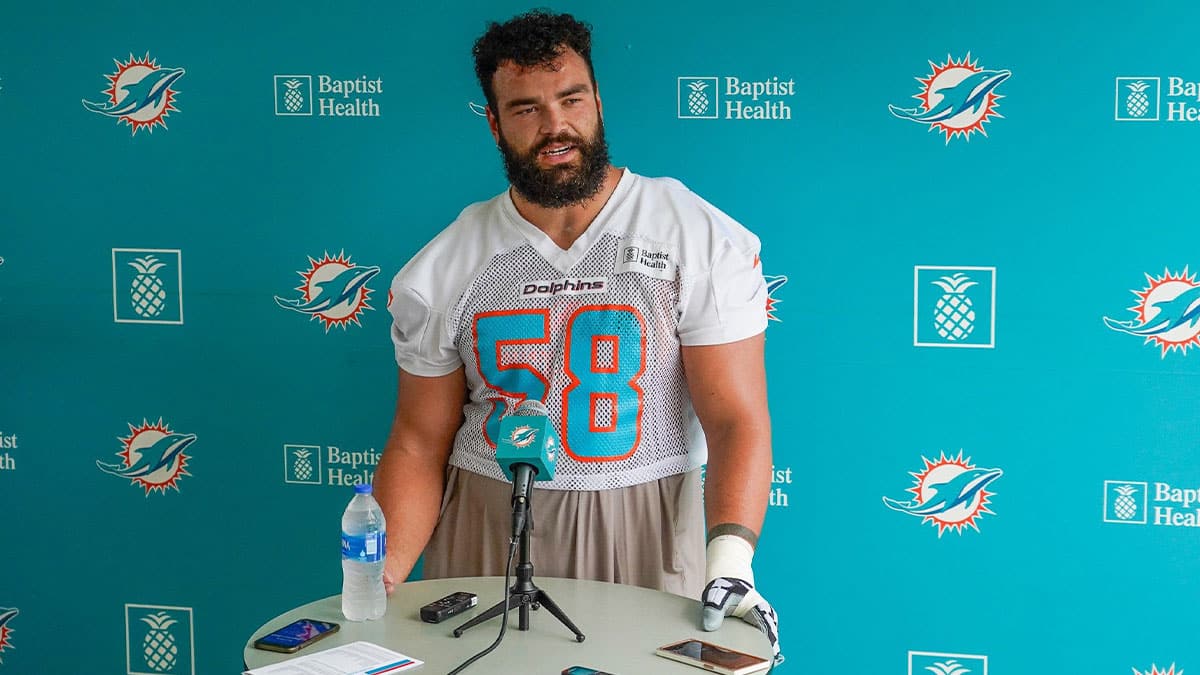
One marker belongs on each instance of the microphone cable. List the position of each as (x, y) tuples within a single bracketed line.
[(512, 549)]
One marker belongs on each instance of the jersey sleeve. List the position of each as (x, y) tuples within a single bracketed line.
[(420, 334), (728, 299)]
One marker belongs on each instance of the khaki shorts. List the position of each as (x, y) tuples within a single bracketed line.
[(649, 535)]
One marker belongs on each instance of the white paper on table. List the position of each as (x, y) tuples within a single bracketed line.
[(356, 658)]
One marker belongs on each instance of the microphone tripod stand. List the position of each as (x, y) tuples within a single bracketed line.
[(523, 594)]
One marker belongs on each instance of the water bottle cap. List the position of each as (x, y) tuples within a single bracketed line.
[(362, 489)]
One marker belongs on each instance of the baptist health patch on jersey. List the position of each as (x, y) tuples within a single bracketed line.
[(550, 288), (646, 260)]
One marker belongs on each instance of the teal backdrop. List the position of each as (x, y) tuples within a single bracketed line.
[(989, 288)]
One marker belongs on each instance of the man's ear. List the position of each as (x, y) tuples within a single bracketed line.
[(493, 124)]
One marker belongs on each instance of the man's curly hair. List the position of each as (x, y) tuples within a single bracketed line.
[(535, 38)]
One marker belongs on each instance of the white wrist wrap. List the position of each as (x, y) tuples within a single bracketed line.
[(729, 556)]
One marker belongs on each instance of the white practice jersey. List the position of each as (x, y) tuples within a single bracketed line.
[(594, 332)]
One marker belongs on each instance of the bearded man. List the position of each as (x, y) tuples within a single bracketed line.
[(630, 307)]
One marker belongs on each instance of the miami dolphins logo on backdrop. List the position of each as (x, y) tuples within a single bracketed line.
[(1168, 313), (6, 617), (1154, 670), (334, 291), (139, 94), (774, 283), (151, 456), (949, 493), (957, 98)]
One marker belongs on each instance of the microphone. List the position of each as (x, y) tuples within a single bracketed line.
[(527, 452)]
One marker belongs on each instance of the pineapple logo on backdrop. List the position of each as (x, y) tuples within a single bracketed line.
[(6, 617), (139, 94), (958, 98), (1138, 99), (152, 456), (293, 95), (954, 306), (699, 97), (302, 464), (147, 285), (1167, 313), (334, 291), (158, 640), (948, 493), (946, 664), (1125, 501)]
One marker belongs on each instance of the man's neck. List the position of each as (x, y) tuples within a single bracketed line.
[(565, 225)]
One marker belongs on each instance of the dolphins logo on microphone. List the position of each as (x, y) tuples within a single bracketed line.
[(523, 436), (334, 291), (152, 456), (949, 493), (140, 94)]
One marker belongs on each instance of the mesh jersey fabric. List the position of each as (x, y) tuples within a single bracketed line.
[(593, 331)]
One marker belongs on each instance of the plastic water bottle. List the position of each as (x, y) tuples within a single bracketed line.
[(364, 544)]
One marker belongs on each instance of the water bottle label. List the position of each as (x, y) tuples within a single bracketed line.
[(364, 548)]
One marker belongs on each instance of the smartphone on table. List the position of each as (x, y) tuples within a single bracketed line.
[(713, 658), (583, 670), (296, 635)]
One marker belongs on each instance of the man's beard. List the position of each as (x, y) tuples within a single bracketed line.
[(562, 185)]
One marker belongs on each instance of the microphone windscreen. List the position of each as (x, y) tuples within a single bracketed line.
[(527, 437), (532, 406)]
